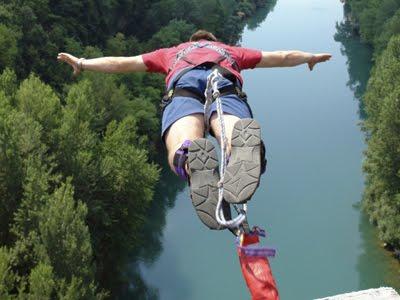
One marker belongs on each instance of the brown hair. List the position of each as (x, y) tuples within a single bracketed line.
[(203, 35)]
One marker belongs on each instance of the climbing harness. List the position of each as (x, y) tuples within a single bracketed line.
[(224, 55), (233, 89)]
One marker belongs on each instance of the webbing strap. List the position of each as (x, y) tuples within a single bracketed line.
[(257, 251), (186, 92), (196, 45), (180, 158), (248, 244)]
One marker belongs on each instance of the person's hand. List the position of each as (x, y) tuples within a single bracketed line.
[(318, 58), (71, 60)]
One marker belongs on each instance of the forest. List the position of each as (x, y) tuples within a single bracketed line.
[(79, 156), (378, 24)]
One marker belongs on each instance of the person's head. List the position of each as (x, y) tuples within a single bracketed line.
[(203, 35)]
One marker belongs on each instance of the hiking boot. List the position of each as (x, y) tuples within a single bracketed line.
[(242, 175), (203, 182)]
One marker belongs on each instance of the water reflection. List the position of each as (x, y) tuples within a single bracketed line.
[(164, 199), (261, 15), (359, 57), (373, 273), (236, 24)]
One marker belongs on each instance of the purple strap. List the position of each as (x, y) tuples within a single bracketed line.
[(258, 251), (259, 231), (253, 250), (180, 159)]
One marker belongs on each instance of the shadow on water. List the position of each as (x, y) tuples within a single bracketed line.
[(359, 57), (385, 270)]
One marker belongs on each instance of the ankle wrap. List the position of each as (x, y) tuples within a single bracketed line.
[(180, 158), (263, 158)]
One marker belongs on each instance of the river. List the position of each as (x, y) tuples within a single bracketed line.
[(309, 198)]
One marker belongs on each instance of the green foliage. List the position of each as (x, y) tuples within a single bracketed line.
[(378, 20), (385, 78), (41, 282), (172, 34), (7, 277), (382, 165), (390, 28), (379, 25), (33, 32), (8, 46), (128, 180), (119, 45), (64, 234), (92, 138), (38, 101), (8, 82)]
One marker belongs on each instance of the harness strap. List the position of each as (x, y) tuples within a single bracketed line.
[(227, 90), (247, 243), (180, 158), (187, 92), (181, 55)]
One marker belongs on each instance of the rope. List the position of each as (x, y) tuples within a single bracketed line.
[(212, 93)]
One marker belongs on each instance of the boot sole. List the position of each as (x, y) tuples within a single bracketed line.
[(242, 175), (203, 164)]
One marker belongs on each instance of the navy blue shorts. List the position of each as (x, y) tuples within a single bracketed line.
[(183, 106)]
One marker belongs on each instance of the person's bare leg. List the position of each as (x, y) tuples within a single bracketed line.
[(187, 128), (229, 121)]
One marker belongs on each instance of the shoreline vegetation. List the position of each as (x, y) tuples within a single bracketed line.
[(78, 157), (378, 25)]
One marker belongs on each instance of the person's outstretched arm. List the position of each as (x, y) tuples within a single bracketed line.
[(291, 59), (104, 64)]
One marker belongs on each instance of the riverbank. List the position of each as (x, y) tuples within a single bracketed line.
[(381, 164)]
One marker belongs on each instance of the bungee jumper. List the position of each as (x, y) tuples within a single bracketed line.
[(204, 94)]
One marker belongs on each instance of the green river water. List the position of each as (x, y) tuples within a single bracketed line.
[(309, 198)]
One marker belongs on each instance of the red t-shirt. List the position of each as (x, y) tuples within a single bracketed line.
[(162, 60)]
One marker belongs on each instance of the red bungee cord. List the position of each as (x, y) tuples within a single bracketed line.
[(255, 266)]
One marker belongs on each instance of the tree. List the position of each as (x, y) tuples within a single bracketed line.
[(174, 33), (382, 164), (39, 102), (7, 277), (8, 46), (41, 282)]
